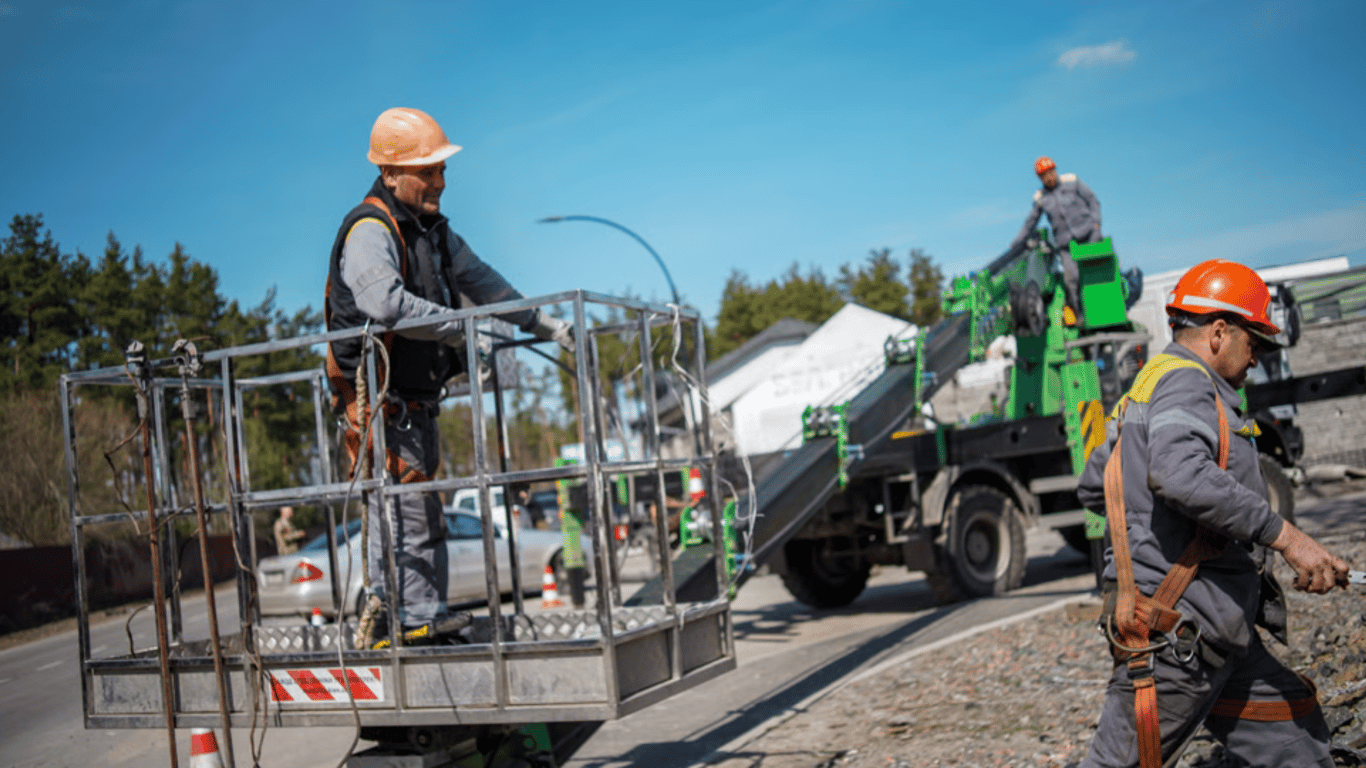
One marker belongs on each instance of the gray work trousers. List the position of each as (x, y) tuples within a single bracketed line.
[(419, 527), (1186, 692)]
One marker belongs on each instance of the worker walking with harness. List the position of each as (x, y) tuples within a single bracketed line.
[(395, 258), (1186, 505)]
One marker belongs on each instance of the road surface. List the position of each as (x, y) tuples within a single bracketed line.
[(786, 654)]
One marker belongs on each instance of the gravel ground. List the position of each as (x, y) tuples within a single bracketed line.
[(1029, 694)]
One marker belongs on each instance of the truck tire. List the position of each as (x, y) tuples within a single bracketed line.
[(985, 551), (823, 576), (940, 581), (1278, 490)]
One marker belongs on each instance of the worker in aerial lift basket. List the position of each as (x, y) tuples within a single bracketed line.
[(1186, 579), (396, 257)]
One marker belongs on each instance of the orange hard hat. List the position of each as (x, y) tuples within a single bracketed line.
[(404, 136), (1219, 285), (1044, 165)]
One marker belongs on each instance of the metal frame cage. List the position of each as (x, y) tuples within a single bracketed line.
[(519, 666)]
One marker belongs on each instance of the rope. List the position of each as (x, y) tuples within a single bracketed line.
[(694, 385)]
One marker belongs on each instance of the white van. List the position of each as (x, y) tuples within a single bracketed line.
[(467, 500)]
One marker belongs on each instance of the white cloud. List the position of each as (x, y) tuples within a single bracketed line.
[(1116, 52)]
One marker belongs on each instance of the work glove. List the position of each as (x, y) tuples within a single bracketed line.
[(554, 329), (483, 344)]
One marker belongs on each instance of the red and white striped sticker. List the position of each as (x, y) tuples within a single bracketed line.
[(301, 686)]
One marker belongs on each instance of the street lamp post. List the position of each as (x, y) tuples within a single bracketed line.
[(667, 276), (638, 239)]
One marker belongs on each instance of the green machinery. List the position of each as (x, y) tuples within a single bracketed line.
[(952, 499), (1060, 355)]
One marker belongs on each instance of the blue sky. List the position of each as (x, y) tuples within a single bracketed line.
[(744, 135)]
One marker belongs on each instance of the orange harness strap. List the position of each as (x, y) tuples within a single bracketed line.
[(1136, 614), (344, 392), (1269, 711)]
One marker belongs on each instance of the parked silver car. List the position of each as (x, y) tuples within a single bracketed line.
[(299, 582)]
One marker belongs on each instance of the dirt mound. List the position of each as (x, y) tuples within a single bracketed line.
[(1030, 694)]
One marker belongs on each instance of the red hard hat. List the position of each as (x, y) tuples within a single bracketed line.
[(1219, 285), (1044, 165)]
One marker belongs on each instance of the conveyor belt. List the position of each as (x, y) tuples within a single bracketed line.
[(801, 485)]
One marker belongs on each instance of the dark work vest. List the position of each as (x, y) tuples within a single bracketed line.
[(418, 368)]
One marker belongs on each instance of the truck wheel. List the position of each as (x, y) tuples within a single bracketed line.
[(823, 575), (1278, 490), (985, 549), (940, 580)]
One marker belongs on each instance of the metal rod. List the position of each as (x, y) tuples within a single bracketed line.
[(586, 375), (171, 552), (116, 374), (500, 678), (136, 359), (652, 449), (246, 522), (64, 389), (190, 365), (596, 414), (509, 499), (236, 510), (375, 423), (299, 342), (325, 475)]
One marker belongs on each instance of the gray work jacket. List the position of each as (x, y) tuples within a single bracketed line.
[(1172, 481), (367, 281), (1073, 212)]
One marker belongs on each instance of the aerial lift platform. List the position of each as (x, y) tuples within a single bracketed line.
[(540, 676)]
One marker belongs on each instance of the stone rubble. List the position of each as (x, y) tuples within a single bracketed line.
[(1030, 694)]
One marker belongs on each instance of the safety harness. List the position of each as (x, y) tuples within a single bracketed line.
[(1136, 617), (353, 401), (344, 391)]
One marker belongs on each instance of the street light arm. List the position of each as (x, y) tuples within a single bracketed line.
[(637, 238)]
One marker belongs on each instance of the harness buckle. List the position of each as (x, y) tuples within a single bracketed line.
[(396, 405), (1141, 667), (1184, 645)]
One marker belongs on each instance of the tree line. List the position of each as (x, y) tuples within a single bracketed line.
[(876, 283), (61, 312)]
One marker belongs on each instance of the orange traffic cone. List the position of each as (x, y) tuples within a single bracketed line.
[(550, 596), (204, 749), (317, 619), (695, 488)]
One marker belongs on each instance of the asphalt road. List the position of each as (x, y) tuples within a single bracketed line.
[(787, 654)]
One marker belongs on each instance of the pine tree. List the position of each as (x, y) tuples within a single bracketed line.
[(39, 324), (926, 289), (877, 284), (747, 310)]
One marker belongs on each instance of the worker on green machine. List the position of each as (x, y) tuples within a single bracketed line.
[(1073, 212)]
